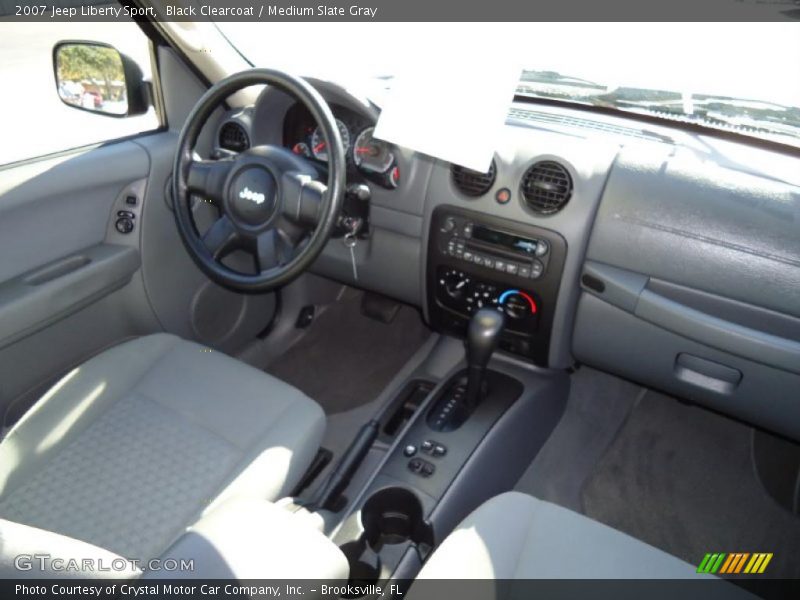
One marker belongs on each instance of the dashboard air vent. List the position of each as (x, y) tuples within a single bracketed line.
[(546, 187), (473, 183), (233, 137)]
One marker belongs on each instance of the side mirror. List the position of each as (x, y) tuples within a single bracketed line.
[(97, 78)]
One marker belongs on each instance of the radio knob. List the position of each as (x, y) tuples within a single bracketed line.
[(542, 247), (448, 225)]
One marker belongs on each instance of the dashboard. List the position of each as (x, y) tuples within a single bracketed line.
[(669, 256)]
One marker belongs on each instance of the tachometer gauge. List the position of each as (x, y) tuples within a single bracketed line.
[(372, 155), (318, 146)]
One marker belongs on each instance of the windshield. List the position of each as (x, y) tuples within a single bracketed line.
[(739, 77)]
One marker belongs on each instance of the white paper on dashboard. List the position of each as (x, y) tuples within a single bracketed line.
[(451, 106)]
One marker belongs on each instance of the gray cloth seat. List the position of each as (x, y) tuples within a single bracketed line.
[(516, 536), (131, 448)]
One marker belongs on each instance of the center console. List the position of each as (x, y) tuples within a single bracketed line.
[(471, 439), (477, 260), (493, 282)]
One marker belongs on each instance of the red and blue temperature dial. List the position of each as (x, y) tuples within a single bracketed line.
[(517, 304)]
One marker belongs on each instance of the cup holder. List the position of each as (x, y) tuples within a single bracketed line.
[(393, 516), (365, 565)]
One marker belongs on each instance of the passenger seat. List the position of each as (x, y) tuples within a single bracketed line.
[(516, 536)]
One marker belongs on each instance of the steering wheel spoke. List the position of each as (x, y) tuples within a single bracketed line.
[(221, 237), (303, 198), (207, 178), (272, 249)]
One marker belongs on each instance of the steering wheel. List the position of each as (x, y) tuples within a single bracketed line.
[(270, 201)]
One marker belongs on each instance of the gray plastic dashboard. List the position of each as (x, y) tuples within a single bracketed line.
[(393, 260), (690, 245), (692, 278)]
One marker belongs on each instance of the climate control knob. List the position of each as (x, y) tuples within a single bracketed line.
[(455, 284), (517, 304)]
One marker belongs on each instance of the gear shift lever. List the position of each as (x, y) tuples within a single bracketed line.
[(457, 402), (482, 337)]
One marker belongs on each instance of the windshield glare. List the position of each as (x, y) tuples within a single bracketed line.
[(737, 76)]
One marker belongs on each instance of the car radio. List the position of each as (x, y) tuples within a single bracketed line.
[(477, 260), (482, 245)]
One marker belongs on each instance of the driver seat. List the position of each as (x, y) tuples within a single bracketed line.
[(132, 447)]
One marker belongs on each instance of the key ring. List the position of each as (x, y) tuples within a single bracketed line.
[(350, 240)]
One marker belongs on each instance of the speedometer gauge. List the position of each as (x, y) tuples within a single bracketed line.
[(320, 148), (372, 155)]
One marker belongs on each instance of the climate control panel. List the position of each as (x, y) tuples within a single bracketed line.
[(477, 260), (465, 293)]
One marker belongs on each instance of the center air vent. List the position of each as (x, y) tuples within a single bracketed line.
[(233, 137), (473, 183), (546, 187)]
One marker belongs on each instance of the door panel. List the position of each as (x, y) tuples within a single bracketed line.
[(32, 301), (73, 282), (53, 208), (70, 284)]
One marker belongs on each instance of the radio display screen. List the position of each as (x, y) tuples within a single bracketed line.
[(507, 240)]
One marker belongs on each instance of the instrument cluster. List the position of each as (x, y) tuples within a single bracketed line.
[(367, 157)]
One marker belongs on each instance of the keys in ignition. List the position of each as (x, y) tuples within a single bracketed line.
[(350, 240)]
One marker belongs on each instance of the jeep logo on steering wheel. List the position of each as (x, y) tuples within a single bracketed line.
[(248, 194)]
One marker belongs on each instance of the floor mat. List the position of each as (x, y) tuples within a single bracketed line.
[(597, 407), (681, 478), (346, 359)]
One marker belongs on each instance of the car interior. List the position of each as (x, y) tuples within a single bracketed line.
[(260, 337)]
